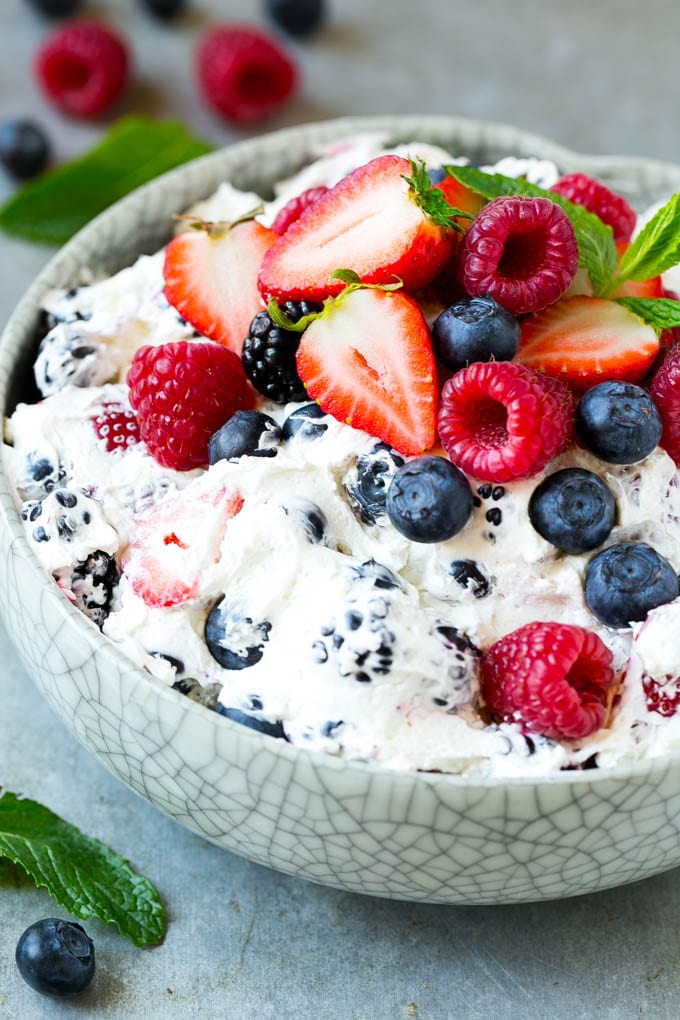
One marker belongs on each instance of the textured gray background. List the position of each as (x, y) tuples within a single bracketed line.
[(244, 942)]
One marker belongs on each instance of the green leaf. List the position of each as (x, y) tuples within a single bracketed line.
[(432, 200), (82, 874), (657, 246), (661, 313), (57, 204), (596, 249)]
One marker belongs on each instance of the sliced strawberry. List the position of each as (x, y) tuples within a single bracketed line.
[(585, 340), (176, 541), (370, 222), (460, 197), (638, 288), (369, 362), (211, 279)]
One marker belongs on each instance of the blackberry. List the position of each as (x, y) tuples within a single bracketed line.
[(94, 582), (269, 351), (367, 482)]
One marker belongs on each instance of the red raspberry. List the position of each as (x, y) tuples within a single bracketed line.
[(243, 73), (182, 393), (665, 388), (551, 678), (294, 209), (499, 420), (117, 426), (83, 68), (597, 198), (522, 251), (662, 696)]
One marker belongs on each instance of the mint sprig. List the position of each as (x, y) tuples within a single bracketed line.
[(352, 282), (656, 248), (57, 204), (82, 874), (432, 200), (661, 313)]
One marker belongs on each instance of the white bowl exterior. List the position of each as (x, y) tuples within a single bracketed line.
[(432, 838)]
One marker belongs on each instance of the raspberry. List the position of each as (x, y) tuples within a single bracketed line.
[(499, 420), (117, 427), (83, 68), (521, 251), (665, 388), (182, 393), (662, 696), (243, 73), (294, 209), (597, 198), (551, 678)]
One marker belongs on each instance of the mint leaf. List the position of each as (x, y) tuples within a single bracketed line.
[(596, 249), (661, 313), (432, 200), (82, 874), (657, 246), (57, 204)]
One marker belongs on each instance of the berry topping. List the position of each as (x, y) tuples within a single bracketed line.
[(297, 17), (624, 582), (246, 434), (268, 354), (618, 422), (599, 199), (294, 209), (24, 149), (368, 361), (521, 251), (573, 509), (370, 221), (244, 74), (500, 421), (56, 957), (662, 695), (665, 388), (235, 640), (182, 393), (83, 68), (367, 482), (210, 277), (116, 426), (272, 729), (303, 422), (429, 500), (551, 678), (478, 329), (93, 584), (165, 9), (584, 340)]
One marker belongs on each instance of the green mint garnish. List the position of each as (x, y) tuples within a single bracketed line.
[(348, 277), (431, 200), (661, 313), (656, 248), (82, 874), (57, 204)]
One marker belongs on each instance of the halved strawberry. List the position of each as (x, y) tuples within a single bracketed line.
[(372, 221), (368, 361), (176, 540), (457, 195), (211, 278), (638, 288), (585, 340)]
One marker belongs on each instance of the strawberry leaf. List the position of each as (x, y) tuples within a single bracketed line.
[(657, 246), (661, 313), (432, 200), (82, 874), (596, 248)]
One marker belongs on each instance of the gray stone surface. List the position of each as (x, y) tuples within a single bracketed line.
[(244, 942)]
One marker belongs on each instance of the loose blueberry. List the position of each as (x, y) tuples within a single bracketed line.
[(164, 9), (302, 422), (573, 509), (368, 482), (236, 641), (297, 17), (477, 329), (618, 422), (624, 582), (56, 8), (245, 434), (274, 729), (55, 957), (24, 149), (429, 500)]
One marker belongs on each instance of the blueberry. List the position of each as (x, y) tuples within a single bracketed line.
[(274, 729), (624, 582), (477, 329), (311, 518), (368, 483), (236, 641), (164, 9), (55, 957), (429, 500), (245, 434), (57, 8), (437, 174), (302, 422), (297, 17), (469, 575), (381, 576), (24, 149), (573, 509), (618, 422)]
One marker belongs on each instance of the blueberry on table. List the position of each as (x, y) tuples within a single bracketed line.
[(618, 422), (477, 329), (297, 17), (56, 8), (56, 957), (245, 434), (429, 500), (24, 149), (573, 509), (625, 582)]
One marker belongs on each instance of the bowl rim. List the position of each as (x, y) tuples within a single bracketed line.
[(13, 336)]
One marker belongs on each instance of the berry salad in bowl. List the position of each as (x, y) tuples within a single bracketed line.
[(348, 489)]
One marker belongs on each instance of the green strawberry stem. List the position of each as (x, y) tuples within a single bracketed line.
[(432, 200), (347, 276)]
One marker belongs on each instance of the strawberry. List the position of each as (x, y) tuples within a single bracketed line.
[(372, 220), (460, 197), (584, 340), (175, 541), (211, 278), (368, 361), (638, 288)]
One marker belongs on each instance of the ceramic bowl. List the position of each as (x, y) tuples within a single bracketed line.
[(427, 837)]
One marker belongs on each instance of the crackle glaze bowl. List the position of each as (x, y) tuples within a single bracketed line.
[(412, 836)]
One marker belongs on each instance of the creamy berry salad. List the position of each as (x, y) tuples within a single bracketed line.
[(385, 467)]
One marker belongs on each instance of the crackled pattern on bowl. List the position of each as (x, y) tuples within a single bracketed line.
[(421, 837)]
